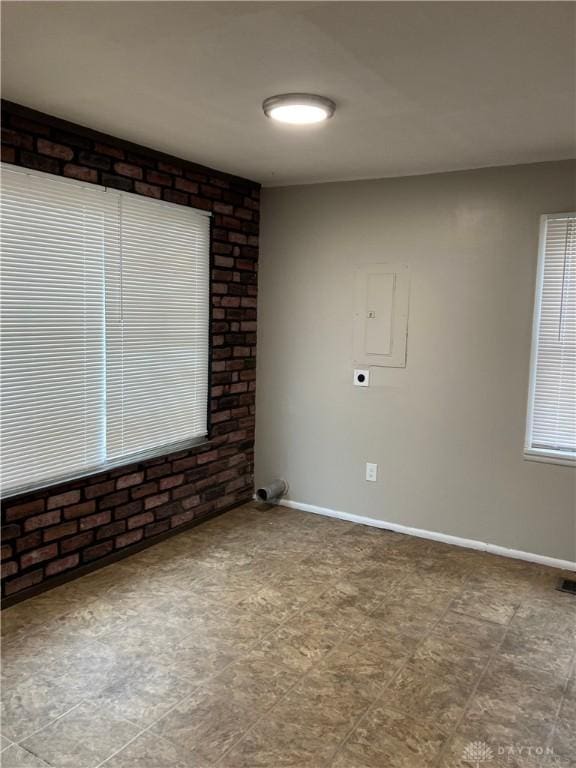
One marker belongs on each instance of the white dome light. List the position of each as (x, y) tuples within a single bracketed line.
[(298, 108)]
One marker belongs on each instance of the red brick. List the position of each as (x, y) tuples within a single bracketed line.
[(156, 501), (159, 471), (127, 509), (183, 517), (129, 538), (24, 582), (104, 149), (64, 564), (79, 510), (170, 168), (52, 149), (38, 555), (27, 509), (60, 531), (212, 192), (190, 502), (81, 173), (114, 499), (187, 463), (9, 569), (186, 186), (63, 499), (127, 481), (154, 177), (223, 208), (236, 237), (171, 482), (29, 542), (94, 160), (243, 213), (139, 520), (204, 458), (99, 489), (98, 551), (8, 154), (43, 520), (142, 188), (147, 489), (223, 261), (155, 528), (5, 551), (126, 169), (100, 518), (39, 162), (172, 196), (17, 139), (107, 531), (76, 542)]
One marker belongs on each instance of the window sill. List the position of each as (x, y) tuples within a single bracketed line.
[(124, 461), (550, 458)]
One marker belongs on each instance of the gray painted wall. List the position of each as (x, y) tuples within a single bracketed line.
[(447, 431)]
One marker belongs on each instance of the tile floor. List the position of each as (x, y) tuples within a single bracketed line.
[(269, 638)]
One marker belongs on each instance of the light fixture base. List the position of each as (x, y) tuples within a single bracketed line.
[(299, 108)]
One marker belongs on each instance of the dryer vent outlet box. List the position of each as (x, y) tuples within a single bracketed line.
[(362, 378)]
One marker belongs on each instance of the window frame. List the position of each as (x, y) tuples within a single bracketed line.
[(544, 455), (158, 451)]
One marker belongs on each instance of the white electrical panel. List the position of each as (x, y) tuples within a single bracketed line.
[(381, 315)]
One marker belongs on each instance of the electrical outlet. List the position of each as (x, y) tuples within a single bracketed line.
[(371, 472)]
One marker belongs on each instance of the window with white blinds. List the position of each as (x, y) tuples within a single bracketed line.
[(551, 428), (104, 327)]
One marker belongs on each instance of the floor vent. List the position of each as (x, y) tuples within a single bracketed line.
[(568, 585)]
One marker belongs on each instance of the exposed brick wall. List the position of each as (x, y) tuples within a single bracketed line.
[(48, 533)]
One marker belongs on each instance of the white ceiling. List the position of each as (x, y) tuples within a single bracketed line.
[(420, 87)]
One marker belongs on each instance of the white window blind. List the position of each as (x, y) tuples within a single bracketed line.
[(551, 429), (157, 334), (104, 335)]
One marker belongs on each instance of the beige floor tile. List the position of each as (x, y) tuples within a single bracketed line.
[(563, 740), (391, 739), (207, 723), (466, 635), (545, 649), (434, 687), (16, 756), (151, 751), (146, 694), (488, 603), (81, 739), (33, 703)]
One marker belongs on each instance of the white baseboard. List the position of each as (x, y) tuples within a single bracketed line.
[(457, 541)]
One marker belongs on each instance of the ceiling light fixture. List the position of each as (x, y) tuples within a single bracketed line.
[(298, 108)]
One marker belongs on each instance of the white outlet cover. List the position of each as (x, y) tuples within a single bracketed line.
[(371, 472), (361, 377)]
